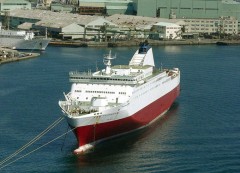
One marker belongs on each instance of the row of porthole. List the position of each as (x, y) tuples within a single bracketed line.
[(104, 79), (105, 92)]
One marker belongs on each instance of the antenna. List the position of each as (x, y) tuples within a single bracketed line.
[(96, 66), (107, 61)]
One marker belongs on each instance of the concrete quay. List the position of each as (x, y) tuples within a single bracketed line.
[(136, 42), (9, 55)]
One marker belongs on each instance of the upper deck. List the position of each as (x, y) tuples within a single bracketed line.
[(120, 74), (139, 69)]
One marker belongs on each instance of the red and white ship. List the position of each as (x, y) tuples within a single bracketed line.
[(118, 99)]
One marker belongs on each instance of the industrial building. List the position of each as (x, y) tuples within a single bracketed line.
[(201, 9), (162, 8), (64, 30), (148, 27), (221, 25), (132, 22), (94, 7), (76, 26), (6, 5), (167, 30), (58, 7), (106, 7), (65, 25), (86, 27)]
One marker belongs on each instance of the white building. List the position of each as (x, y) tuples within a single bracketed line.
[(227, 25), (167, 30)]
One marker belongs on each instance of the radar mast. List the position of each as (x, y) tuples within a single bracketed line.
[(107, 62)]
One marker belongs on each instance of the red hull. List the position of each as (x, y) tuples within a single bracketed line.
[(94, 133)]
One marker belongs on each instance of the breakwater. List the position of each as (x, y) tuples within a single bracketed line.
[(9, 55)]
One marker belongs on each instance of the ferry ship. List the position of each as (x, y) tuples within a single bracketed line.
[(22, 40), (119, 99)]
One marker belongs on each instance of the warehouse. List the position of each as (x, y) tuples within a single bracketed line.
[(65, 25), (64, 30), (188, 8), (105, 7)]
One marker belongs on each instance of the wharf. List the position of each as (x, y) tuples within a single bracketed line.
[(9, 55), (228, 42), (134, 42)]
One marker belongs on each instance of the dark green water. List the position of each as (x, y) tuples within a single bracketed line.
[(200, 133)]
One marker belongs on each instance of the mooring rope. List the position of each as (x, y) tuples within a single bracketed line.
[(30, 143), (37, 148), (64, 138)]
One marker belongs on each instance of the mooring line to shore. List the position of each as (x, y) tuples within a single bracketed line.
[(30, 143), (37, 148), (64, 138)]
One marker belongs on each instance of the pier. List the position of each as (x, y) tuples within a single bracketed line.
[(136, 42), (9, 55)]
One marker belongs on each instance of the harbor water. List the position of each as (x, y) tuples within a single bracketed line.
[(200, 133)]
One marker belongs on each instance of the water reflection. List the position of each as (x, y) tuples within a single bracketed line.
[(117, 150), (172, 49)]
